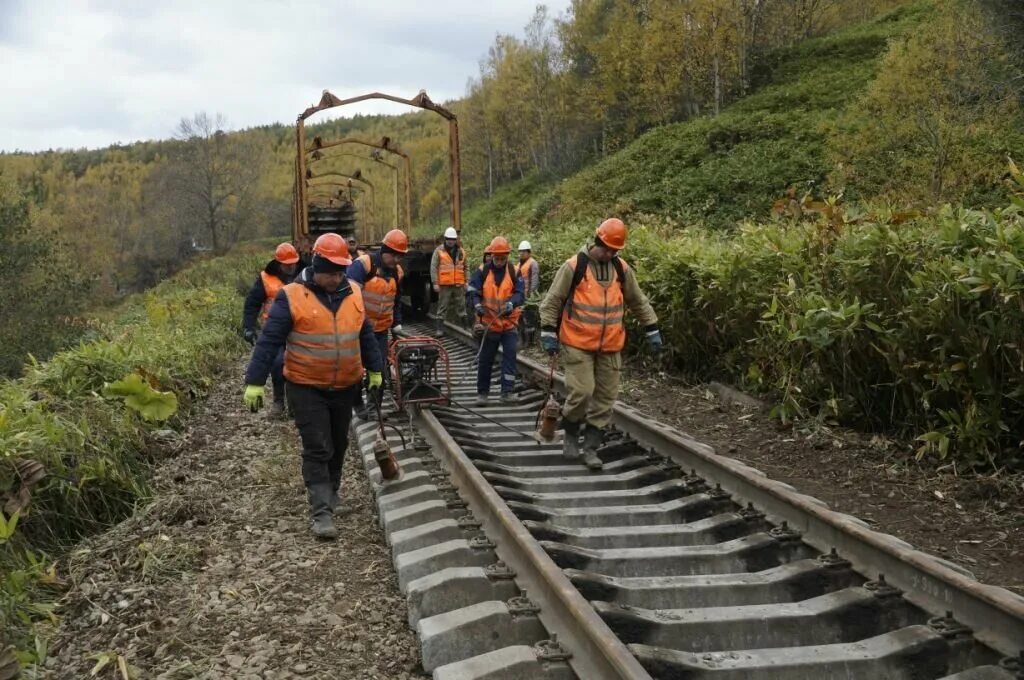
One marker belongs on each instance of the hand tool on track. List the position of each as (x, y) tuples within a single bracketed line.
[(547, 417)]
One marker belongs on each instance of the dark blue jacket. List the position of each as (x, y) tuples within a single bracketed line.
[(257, 294), (474, 291), (279, 324), (357, 273)]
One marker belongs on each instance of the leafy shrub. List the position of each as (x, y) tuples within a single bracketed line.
[(96, 451)]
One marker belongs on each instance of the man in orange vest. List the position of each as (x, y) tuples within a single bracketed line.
[(379, 275), (278, 272), (583, 311), (328, 342), (529, 270), (496, 293), (448, 276)]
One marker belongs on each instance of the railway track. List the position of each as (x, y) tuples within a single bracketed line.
[(672, 562)]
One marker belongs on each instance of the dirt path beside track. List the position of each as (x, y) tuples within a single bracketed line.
[(219, 577)]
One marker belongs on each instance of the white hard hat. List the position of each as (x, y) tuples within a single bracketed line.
[(524, 245), (451, 233)]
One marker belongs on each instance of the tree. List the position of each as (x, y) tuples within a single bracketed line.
[(215, 179)]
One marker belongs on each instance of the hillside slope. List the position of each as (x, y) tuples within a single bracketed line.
[(718, 170)]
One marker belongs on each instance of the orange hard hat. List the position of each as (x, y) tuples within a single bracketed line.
[(397, 241), (612, 233), (286, 254), (334, 248), (499, 246)]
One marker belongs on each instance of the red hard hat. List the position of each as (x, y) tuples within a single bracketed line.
[(612, 233), (397, 241), (499, 246), (334, 248), (286, 254)]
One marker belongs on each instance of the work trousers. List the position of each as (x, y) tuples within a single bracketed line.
[(509, 342), (322, 418), (277, 376), (592, 383), (451, 299)]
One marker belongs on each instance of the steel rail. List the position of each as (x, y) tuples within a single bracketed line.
[(995, 615), (597, 653)]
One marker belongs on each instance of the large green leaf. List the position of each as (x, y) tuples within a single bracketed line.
[(153, 405)]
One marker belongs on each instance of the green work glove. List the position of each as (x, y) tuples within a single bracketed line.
[(253, 397), (375, 379)]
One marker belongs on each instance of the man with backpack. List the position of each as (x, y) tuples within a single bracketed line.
[(583, 312), (496, 293)]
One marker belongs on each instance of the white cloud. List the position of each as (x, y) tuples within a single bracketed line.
[(79, 73)]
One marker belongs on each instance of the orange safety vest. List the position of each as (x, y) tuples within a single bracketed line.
[(451, 273), (523, 270), (323, 348), (494, 297), (272, 286), (592, 319), (380, 296)]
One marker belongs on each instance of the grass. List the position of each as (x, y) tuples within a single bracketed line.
[(96, 451)]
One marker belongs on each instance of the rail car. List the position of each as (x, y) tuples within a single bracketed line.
[(319, 208)]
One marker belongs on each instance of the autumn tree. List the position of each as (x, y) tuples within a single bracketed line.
[(214, 180)]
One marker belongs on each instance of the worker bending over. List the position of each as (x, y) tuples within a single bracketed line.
[(496, 293), (279, 272), (379, 275), (583, 311), (320, 322), (448, 276)]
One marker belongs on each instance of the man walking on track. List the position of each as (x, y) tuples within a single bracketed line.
[(583, 312), (379, 275), (529, 270), (319, 320), (496, 293), (448, 276), (278, 272)]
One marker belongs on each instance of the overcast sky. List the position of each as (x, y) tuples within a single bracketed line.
[(89, 73)]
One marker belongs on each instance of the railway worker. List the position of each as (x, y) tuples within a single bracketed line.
[(448, 277), (354, 247), (278, 272), (583, 312), (496, 291), (379, 275), (328, 342), (529, 270)]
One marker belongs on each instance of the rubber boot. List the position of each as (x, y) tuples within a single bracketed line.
[(593, 437), (439, 327), (571, 440), (320, 511), (276, 410)]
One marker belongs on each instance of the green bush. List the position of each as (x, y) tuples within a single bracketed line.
[(96, 451), (909, 324)]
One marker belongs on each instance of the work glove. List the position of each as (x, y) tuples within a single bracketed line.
[(507, 310), (549, 341), (376, 378), (250, 336), (654, 340), (253, 397), (396, 330), (437, 288), (479, 309)]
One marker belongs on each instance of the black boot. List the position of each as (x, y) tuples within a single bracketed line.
[(320, 511), (593, 437), (571, 440)]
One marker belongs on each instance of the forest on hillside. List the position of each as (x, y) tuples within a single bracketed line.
[(920, 108)]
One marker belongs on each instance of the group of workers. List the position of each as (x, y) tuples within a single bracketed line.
[(321, 330)]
